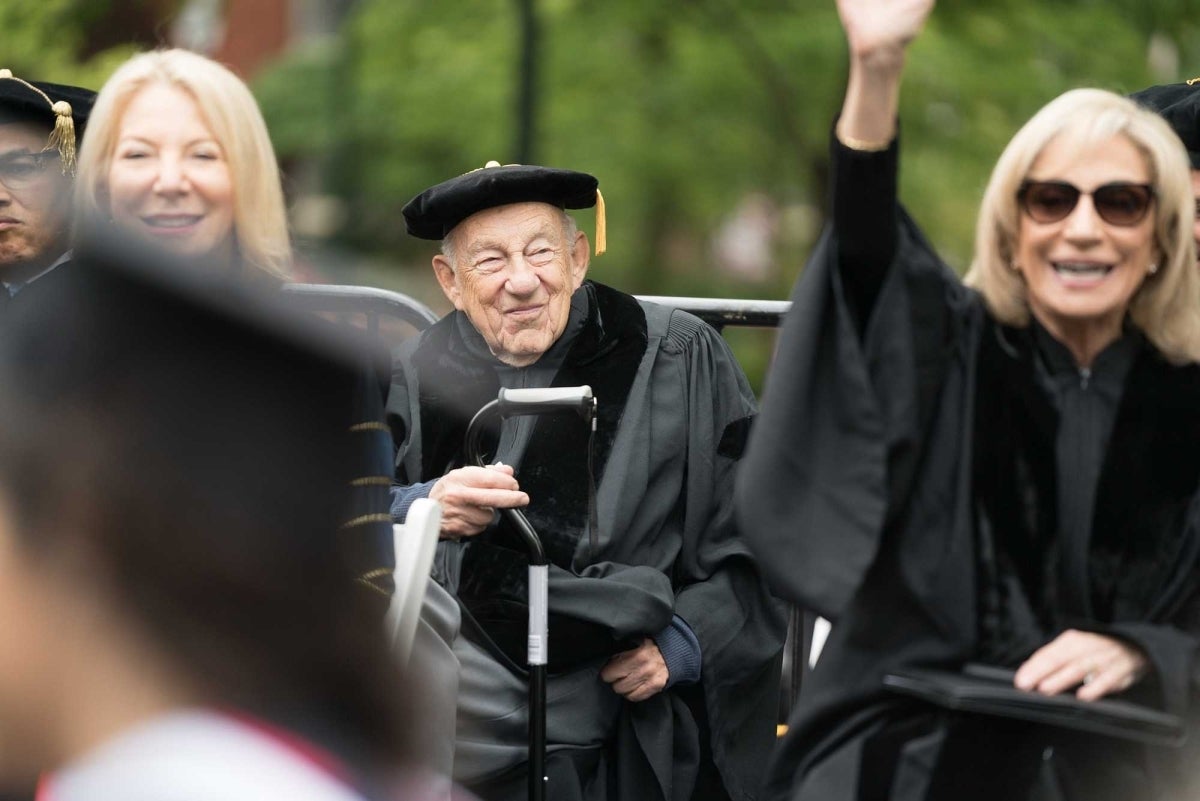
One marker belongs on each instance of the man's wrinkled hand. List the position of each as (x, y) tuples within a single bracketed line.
[(470, 497), (637, 674)]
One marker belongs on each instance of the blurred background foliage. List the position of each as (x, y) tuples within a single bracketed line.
[(706, 121), (78, 41)]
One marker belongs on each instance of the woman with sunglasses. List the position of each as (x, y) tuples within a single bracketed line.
[(1002, 473)]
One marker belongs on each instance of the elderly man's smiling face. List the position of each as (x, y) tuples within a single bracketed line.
[(512, 270)]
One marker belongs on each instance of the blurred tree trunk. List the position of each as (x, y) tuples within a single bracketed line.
[(527, 83)]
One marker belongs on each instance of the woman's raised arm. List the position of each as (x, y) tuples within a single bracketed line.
[(878, 33)]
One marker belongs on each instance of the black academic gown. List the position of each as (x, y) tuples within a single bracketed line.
[(42, 286), (673, 412), (903, 482)]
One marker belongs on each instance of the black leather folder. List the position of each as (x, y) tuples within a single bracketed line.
[(985, 690)]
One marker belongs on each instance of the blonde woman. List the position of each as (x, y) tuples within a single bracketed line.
[(178, 154), (1002, 473)]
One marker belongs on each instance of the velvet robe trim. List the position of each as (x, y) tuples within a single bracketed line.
[(453, 384), (1141, 551), (1143, 548)]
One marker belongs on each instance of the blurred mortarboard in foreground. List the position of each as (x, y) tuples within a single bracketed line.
[(436, 211), (61, 108), (1179, 104), (218, 395)]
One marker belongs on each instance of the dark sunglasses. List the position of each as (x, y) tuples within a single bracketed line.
[(1116, 203)]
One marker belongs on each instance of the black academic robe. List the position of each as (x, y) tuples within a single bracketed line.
[(673, 412), (902, 483), (44, 285)]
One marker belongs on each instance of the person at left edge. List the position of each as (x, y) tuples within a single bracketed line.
[(41, 125), (664, 643), (1179, 105)]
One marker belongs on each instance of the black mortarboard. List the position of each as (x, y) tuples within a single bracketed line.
[(63, 109), (434, 213), (224, 399), (1179, 104)]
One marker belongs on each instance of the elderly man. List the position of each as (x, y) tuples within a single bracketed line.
[(40, 124), (664, 643), (1179, 105)]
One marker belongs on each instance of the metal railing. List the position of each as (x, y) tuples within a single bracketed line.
[(720, 312), (374, 304), (371, 302)]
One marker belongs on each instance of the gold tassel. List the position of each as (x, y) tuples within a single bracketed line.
[(63, 136), (1192, 81), (601, 225)]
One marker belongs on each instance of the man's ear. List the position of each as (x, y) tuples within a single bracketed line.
[(445, 276), (581, 254)]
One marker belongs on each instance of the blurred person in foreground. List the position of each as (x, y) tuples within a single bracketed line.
[(664, 643), (1179, 105), (41, 125), (178, 156), (1004, 472), (178, 621)]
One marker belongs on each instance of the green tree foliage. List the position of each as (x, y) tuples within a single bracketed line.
[(76, 41), (684, 107)]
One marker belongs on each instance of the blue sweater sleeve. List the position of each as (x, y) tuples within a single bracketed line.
[(403, 496), (681, 651)]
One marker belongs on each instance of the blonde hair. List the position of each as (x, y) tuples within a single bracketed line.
[(259, 215), (1166, 307)]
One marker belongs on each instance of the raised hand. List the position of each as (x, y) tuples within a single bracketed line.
[(470, 496), (1097, 664), (877, 26), (878, 32)]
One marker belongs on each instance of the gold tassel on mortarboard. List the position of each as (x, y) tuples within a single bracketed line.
[(601, 225), (62, 138), (1192, 81)]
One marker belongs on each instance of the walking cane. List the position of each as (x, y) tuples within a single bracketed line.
[(514, 403)]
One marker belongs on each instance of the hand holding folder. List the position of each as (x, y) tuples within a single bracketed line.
[(985, 690)]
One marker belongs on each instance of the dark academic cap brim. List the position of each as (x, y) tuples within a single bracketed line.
[(1179, 105), (436, 211), (19, 102), (141, 280), (219, 383)]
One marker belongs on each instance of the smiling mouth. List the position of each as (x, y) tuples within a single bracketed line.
[(172, 220), (1079, 269), (525, 311)]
